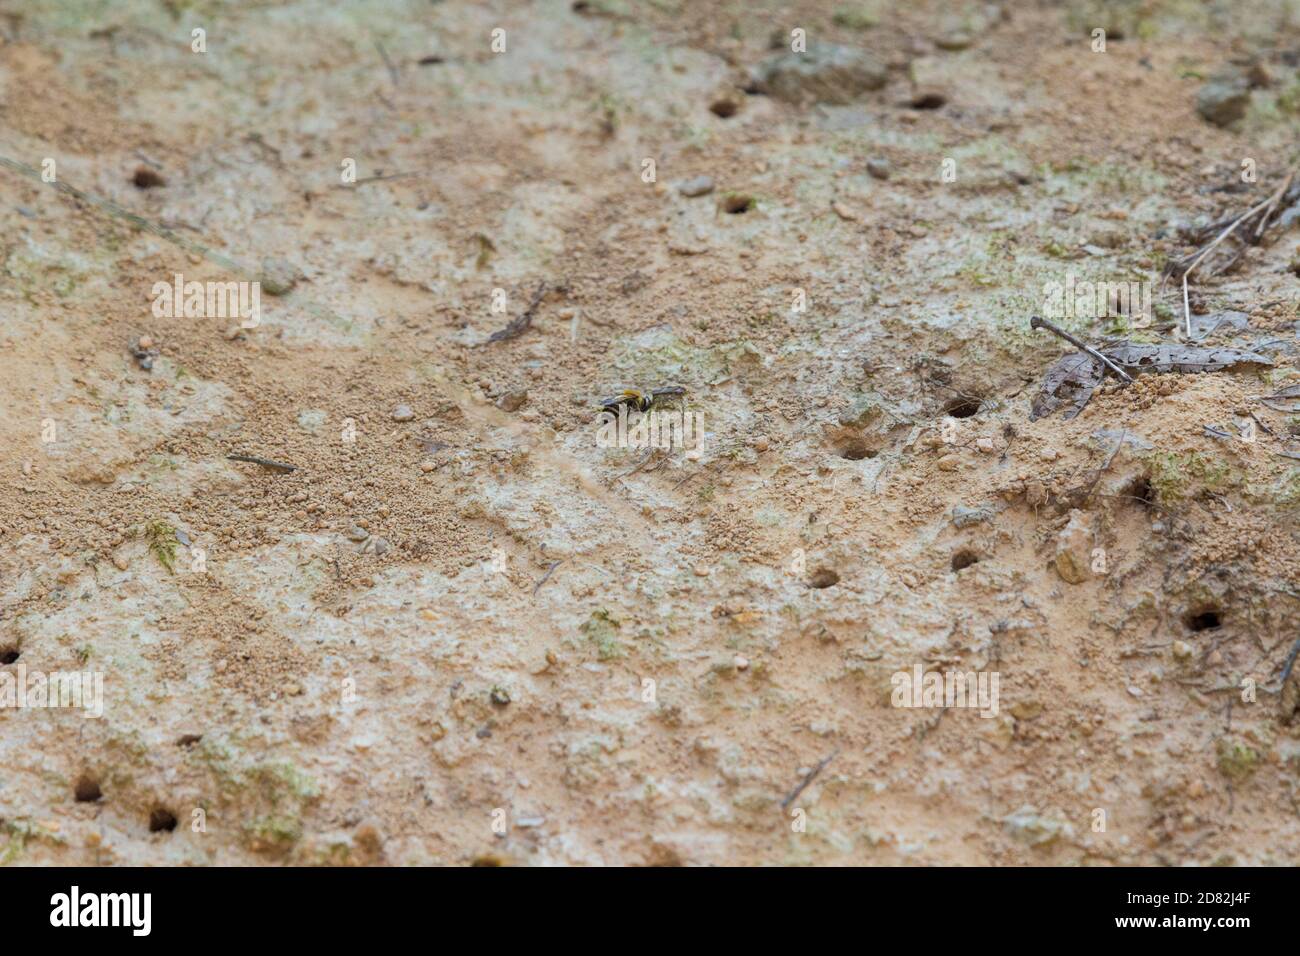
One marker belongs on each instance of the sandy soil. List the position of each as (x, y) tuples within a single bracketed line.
[(470, 634)]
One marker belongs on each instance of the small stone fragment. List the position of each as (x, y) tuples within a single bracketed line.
[(1030, 827), (826, 73), (279, 276), (697, 186), (954, 40), (513, 400), (1224, 99), (963, 517), (1074, 549), (1026, 709)]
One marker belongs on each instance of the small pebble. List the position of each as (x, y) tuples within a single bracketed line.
[(513, 400), (955, 40), (878, 168), (427, 466), (403, 413), (279, 276), (358, 533), (698, 186), (844, 212), (742, 663)]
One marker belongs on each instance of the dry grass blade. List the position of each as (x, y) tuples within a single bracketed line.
[(1263, 210), (1285, 400)]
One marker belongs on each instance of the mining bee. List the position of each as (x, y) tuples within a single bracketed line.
[(638, 400)]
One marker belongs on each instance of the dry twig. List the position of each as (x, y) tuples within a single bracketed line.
[(264, 462), (1039, 323), (520, 325), (808, 778)]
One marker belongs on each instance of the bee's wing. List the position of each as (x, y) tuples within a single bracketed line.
[(670, 390)]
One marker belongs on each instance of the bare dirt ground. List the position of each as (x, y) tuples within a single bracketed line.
[(470, 634)]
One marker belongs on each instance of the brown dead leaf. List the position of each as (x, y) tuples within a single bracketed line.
[(1074, 377)]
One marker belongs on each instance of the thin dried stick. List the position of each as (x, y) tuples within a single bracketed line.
[(1272, 204), (546, 577), (264, 462), (1231, 227), (518, 326), (1290, 660), (808, 778), (1040, 323)]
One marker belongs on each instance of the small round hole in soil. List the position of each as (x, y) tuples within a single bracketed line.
[(146, 178), (928, 101), (162, 820), (86, 789), (856, 450), (737, 204), (723, 108), (824, 578), (1140, 492), (963, 406), (1206, 619), (964, 559), (8, 654)]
